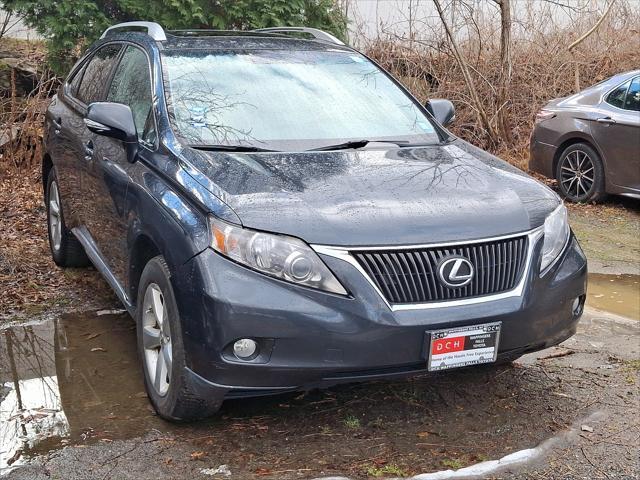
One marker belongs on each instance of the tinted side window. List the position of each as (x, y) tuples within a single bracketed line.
[(131, 86), (632, 101), (74, 82), (96, 74), (616, 98)]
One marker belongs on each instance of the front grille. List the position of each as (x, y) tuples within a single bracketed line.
[(409, 275)]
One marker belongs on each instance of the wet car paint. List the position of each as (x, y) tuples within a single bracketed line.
[(420, 195)]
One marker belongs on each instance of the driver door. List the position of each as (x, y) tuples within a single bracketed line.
[(111, 174)]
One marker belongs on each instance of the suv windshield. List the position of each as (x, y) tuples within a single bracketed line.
[(287, 100)]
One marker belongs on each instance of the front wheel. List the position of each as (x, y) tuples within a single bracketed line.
[(161, 349), (580, 174)]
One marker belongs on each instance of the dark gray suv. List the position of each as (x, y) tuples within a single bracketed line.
[(278, 213)]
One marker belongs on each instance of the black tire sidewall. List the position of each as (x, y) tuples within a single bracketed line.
[(597, 190), (156, 271)]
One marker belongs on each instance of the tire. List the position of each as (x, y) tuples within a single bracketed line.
[(169, 391), (580, 174), (66, 250)]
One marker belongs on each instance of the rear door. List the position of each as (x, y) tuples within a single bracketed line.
[(617, 132), (110, 173), (62, 126)]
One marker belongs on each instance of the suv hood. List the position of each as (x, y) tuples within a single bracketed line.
[(376, 197)]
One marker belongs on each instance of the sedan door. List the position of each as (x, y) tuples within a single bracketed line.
[(617, 133), (111, 170)]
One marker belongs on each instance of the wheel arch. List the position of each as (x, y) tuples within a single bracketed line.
[(142, 250), (47, 166)]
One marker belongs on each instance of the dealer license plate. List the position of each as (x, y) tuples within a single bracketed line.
[(463, 346)]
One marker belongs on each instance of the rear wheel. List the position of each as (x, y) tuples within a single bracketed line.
[(580, 174), (66, 250), (161, 349)]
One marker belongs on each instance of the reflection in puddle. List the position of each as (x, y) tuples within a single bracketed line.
[(72, 378), (618, 294)]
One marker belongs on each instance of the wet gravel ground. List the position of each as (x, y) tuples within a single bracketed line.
[(579, 402)]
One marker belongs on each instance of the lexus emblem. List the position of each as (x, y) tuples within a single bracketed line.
[(455, 272)]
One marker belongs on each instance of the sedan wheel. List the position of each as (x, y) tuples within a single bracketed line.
[(156, 336), (580, 174)]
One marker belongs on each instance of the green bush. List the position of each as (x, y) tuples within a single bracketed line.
[(70, 25)]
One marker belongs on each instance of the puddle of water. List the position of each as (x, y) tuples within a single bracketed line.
[(619, 294), (71, 379)]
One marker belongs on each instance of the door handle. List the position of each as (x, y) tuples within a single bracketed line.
[(606, 120), (88, 150)]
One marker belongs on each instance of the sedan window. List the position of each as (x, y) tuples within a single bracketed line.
[(616, 98), (632, 101), (96, 74)]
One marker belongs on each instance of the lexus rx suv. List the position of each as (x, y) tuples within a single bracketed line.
[(278, 213)]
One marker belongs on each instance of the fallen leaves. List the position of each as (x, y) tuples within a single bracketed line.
[(31, 283), (199, 455)]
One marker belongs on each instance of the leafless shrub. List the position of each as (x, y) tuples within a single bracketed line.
[(542, 66), (21, 123)]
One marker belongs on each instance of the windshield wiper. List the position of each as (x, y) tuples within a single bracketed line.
[(356, 144), (231, 148)]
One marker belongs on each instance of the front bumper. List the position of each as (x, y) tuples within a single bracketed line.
[(310, 338)]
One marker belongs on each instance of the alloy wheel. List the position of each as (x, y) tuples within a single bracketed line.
[(577, 174), (55, 217), (156, 337)]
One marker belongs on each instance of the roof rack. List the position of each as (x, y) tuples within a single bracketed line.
[(154, 30), (314, 32)]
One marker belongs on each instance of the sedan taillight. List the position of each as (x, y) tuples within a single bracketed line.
[(543, 115)]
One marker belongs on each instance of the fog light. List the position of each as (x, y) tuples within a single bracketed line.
[(245, 348), (578, 305)]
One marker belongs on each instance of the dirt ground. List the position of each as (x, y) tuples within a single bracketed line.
[(569, 412)]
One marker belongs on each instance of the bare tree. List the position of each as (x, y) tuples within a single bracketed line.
[(483, 117), (504, 83), (8, 20), (583, 37)]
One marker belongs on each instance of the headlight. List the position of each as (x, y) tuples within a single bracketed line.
[(556, 233), (283, 257)]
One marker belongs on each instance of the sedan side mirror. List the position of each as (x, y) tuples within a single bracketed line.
[(442, 110), (114, 120)]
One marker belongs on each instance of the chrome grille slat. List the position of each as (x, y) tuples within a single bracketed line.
[(406, 276)]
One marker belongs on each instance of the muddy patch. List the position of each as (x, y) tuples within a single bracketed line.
[(619, 294)]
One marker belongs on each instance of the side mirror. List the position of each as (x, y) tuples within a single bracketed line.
[(114, 120), (442, 110)]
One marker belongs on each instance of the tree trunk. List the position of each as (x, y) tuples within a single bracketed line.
[(582, 38), (483, 118), (504, 84)]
